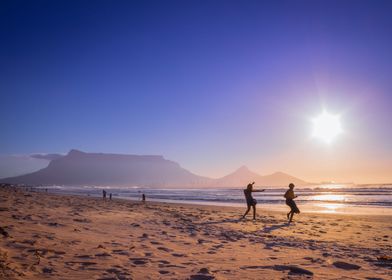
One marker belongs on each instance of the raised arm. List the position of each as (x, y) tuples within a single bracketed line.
[(258, 190)]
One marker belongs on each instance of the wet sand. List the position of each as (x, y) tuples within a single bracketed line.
[(47, 236)]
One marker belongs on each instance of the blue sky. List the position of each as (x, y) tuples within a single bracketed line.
[(210, 84)]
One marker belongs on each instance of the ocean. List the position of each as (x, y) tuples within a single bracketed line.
[(328, 198)]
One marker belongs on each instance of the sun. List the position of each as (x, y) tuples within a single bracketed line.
[(326, 127)]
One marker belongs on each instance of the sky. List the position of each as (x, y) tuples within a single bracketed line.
[(213, 85)]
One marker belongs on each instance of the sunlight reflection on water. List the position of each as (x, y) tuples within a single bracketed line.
[(330, 197), (330, 207)]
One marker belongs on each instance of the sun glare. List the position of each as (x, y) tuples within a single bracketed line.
[(326, 127)]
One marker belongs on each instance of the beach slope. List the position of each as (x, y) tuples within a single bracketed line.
[(47, 236)]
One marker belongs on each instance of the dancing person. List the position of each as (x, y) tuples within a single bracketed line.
[(250, 201), (289, 195)]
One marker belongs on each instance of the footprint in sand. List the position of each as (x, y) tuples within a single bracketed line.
[(164, 249), (28, 241), (86, 257), (103, 255), (202, 277), (47, 270), (346, 266), (120, 274), (80, 263), (139, 261), (84, 220), (164, 272), (120, 252), (179, 255)]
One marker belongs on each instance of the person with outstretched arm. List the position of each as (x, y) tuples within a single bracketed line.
[(289, 195), (250, 201)]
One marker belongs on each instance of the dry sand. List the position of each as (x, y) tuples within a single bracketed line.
[(46, 236)]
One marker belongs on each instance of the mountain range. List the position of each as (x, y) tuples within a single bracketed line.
[(78, 168)]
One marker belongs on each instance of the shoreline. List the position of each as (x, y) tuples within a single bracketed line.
[(307, 207), (239, 208), (56, 236)]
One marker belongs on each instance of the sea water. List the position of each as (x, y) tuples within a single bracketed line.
[(330, 198)]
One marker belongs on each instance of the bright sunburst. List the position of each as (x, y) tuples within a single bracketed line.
[(326, 127)]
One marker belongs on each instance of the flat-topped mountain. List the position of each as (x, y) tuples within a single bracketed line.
[(79, 168)]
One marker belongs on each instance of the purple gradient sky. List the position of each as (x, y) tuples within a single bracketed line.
[(210, 84)]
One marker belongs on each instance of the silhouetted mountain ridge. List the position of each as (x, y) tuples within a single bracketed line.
[(244, 175), (46, 156), (78, 168)]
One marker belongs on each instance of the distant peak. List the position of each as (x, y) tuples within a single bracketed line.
[(243, 168), (75, 152)]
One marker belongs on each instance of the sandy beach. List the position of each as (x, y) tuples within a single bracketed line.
[(47, 236)]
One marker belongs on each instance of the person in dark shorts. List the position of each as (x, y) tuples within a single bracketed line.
[(250, 201), (289, 195)]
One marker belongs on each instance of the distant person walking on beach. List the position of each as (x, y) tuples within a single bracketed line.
[(289, 195), (250, 201), (103, 194), (143, 198)]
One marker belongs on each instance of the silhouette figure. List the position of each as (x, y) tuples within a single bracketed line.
[(143, 197), (110, 196), (289, 195), (103, 194), (250, 201)]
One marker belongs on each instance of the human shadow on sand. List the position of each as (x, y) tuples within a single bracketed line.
[(274, 227), (221, 221)]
